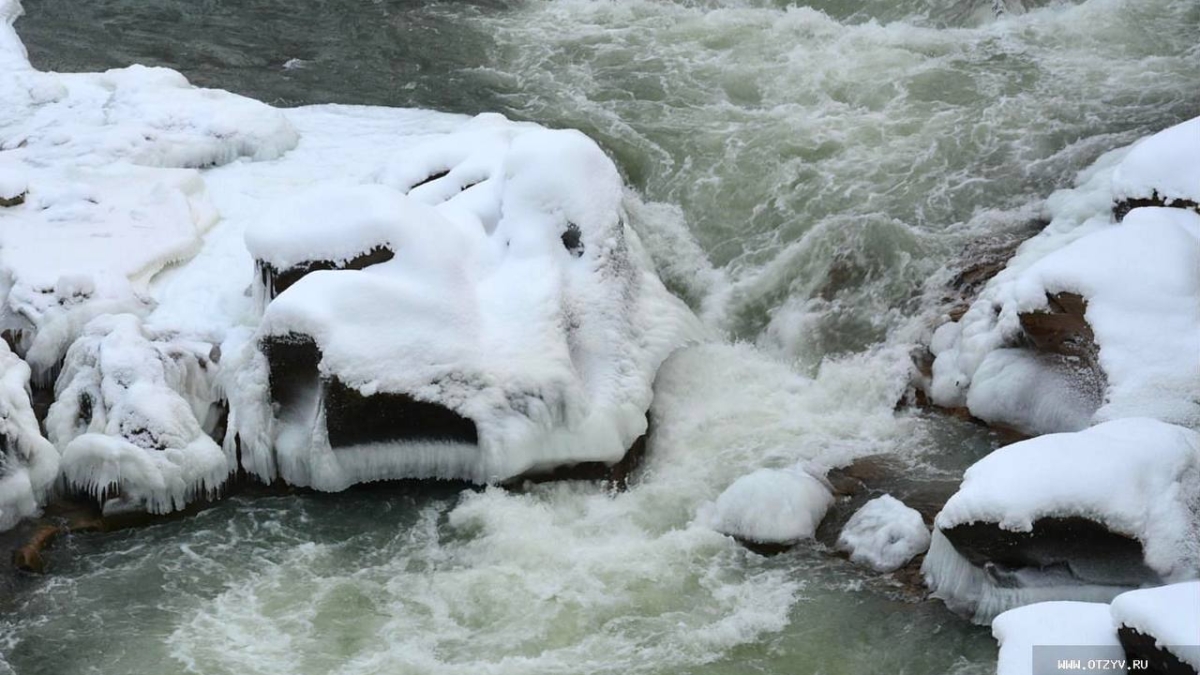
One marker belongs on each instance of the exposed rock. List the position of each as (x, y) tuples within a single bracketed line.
[(1061, 328), (15, 200), (1123, 207), (1158, 657), (276, 281)]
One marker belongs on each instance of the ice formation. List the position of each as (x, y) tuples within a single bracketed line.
[(107, 160), (1137, 281), (481, 312), (129, 413), (29, 464), (884, 534), (1170, 615), (1120, 482), (770, 506), (1058, 626)]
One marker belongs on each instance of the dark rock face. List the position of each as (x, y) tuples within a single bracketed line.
[(354, 419), (292, 360), (13, 201), (1159, 660), (278, 281), (1080, 548), (617, 475), (1122, 208), (1061, 328)]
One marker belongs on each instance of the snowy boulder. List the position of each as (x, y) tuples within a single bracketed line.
[(1035, 637), (1072, 516), (771, 508), (13, 187), (1162, 170), (494, 321), (130, 414), (884, 534), (30, 463), (1103, 326), (1161, 626)]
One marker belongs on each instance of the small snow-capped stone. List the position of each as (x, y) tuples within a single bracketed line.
[(884, 534), (770, 506)]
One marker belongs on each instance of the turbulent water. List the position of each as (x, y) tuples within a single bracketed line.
[(807, 174)]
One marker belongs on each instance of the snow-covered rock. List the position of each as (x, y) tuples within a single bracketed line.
[(13, 187), (1067, 630), (29, 463), (770, 506), (1020, 356), (884, 534), (1161, 170), (506, 322), (1079, 516), (129, 417), (1161, 625)]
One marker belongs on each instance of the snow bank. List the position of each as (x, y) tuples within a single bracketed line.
[(1163, 168), (517, 308), (1169, 614), (770, 506), (30, 463), (1139, 282), (1053, 624), (128, 413), (884, 534)]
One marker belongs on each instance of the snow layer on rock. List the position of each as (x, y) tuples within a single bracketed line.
[(1165, 165), (884, 534), (1140, 279), (973, 592), (29, 463), (1170, 614), (13, 183), (1138, 477), (105, 157), (128, 413), (521, 302), (1052, 624), (770, 506)]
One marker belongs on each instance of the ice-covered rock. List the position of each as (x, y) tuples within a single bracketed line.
[(884, 534), (1072, 516), (1161, 170), (1102, 327), (1162, 626), (1065, 630), (770, 506), (481, 313), (129, 417), (29, 463)]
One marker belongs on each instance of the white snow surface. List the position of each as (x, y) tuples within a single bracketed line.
[(29, 464), (484, 310), (1052, 624), (1138, 477), (1140, 279), (770, 506), (108, 161), (884, 534), (128, 414), (1165, 165), (1170, 614)]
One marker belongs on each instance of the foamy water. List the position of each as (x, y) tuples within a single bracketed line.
[(804, 172)]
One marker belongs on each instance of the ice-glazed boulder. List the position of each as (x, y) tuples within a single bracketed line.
[(1161, 170), (482, 312), (29, 463), (884, 534), (770, 508), (1161, 626), (1103, 327), (130, 412), (1071, 516)]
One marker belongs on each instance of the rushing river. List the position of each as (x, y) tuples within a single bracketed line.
[(807, 173)]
